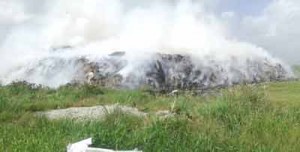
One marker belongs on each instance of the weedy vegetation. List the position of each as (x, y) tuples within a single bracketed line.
[(260, 118)]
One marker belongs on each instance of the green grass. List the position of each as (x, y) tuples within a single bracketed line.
[(258, 118)]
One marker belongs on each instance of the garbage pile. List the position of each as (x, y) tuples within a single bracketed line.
[(174, 71), (158, 72)]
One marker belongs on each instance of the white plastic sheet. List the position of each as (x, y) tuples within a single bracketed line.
[(83, 146)]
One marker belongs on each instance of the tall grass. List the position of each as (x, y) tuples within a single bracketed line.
[(243, 118)]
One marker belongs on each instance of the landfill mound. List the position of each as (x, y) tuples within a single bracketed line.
[(160, 72), (175, 71)]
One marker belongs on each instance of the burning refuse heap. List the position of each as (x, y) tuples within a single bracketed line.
[(104, 72), (74, 50), (174, 71), (162, 72)]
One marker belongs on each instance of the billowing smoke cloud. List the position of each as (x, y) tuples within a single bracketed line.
[(280, 23), (42, 44), (275, 28)]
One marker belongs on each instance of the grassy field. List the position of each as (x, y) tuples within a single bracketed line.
[(243, 118)]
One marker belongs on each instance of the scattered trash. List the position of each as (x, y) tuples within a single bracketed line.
[(83, 146), (174, 93)]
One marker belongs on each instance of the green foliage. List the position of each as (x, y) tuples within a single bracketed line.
[(243, 118)]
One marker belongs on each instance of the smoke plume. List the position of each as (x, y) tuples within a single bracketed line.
[(51, 42)]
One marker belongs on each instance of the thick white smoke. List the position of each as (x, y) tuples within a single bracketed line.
[(277, 29), (40, 46)]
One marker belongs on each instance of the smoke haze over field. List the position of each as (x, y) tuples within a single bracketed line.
[(42, 37)]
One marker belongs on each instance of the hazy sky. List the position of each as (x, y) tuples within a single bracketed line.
[(271, 24), (244, 7)]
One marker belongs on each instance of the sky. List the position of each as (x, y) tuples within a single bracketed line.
[(271, 24), (243, 7)]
